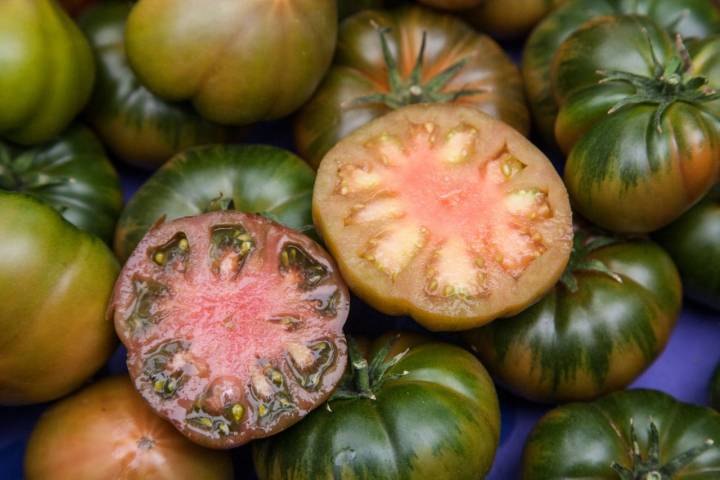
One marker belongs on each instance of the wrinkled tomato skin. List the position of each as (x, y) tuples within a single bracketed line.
[(551, 451), (510, 19), (690, 18), (47, 74), (238, 62), (629, 170), (73, 174), (445, 403), (546, 354), (56, 282), (359, 70), (693, 241), (204, 177), (140, 128), (107, 431)]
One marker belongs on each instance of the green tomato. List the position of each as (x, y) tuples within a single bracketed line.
[(55, 283), (596, 331), (253, 179), (693, 241), (46, 70), (640, 123), (72, 174), (630, 435), (412, 409), (136, 125), (382, 64), (690, 18), (239, 61)]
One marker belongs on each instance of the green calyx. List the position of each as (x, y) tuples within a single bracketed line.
[(583, 245), (365, 379), (16, 173), (669, 84), (412, 90), (650, 468)]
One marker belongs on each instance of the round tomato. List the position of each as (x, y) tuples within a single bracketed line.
[(46, 72), (55, 282), (690, 18), (239, 61), (602, 325), (693, 242), (349, 7), (409, 55), (633, 435), (136, 125), (639, 121), (510, 18), (715, 389), (444, 213), (408, 408), (233, 325), (107, 431), (72, 174), (254, 179)]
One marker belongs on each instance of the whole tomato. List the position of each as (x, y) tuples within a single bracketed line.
[(408, 408), (55, 283), (107, 431), (510, 19), (46, 70), (238, 62), (388, 59)]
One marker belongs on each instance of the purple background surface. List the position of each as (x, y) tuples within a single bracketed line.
[(683, 370)]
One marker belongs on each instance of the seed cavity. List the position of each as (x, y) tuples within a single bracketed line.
[(353, 179), (143, 310), (515, 247), (270, 395), (455, 271), (503, 167), (215, 426), (166, 367), (327, 305), (385, 207), (459, 145), (388, 149), (530, 203), (172, 255), (289, 323), (294, 258), (230, 246), (309, 364), (391, 250)]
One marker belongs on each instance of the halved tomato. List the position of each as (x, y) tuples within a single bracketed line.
[(107, 431), (233, 325), (445, 213)]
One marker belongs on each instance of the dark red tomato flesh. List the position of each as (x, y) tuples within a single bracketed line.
[(233, 325)]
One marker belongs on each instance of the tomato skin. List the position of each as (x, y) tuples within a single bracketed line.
[(140, 128), (508, 19), (546, 354), (72, 173), (56, 281), (629, 170), (107, 431), (258, 179), (245, 64), (698, 19), (446, 404), (693, 241), (359, 70), (47, 72), (603, 429)]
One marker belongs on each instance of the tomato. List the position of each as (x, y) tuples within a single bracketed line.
[(408, 408), (693, 241), (349, 7), (71, 173), (715, 389), (233, 325), (690, 18), (46, 72), (238, 62), (452, 64), (254, 179), (641, 130), (107, 431), (55, 281), (602, 325), (635, 434), (452, 4), (136, 125), (510, 18), (443, 213)]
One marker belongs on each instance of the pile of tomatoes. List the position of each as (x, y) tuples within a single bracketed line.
[(256, 290)]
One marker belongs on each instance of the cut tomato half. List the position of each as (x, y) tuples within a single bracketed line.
[(233, 325), (443, 213)]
